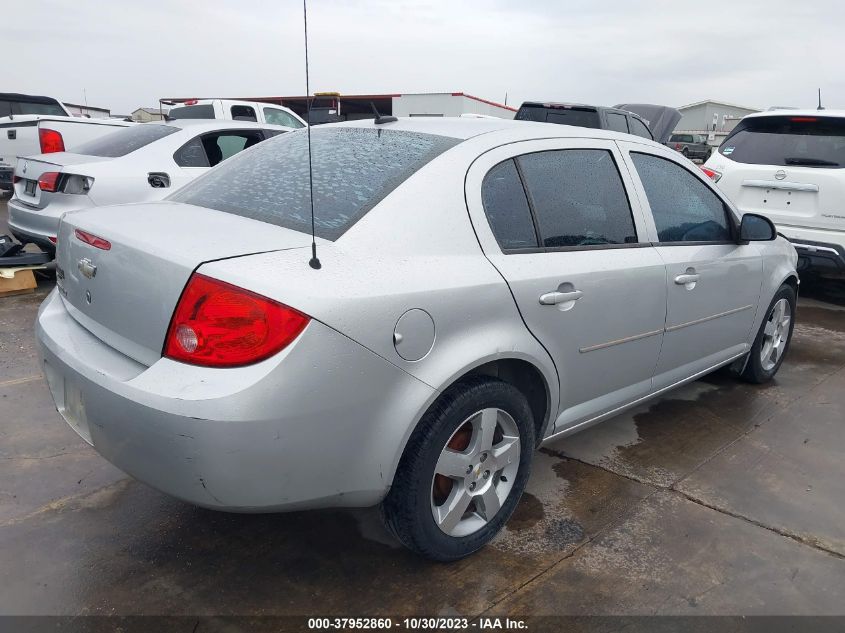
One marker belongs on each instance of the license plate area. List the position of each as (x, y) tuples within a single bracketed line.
[(69, 401), (29, 187)]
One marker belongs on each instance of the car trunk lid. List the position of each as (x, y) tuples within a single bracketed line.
[(125, 287), (30, 170)]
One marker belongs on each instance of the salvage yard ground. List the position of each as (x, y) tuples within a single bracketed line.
[(720, 498)]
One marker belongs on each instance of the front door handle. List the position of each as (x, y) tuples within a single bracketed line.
[(688, 279), (555, 298), (683, 280)]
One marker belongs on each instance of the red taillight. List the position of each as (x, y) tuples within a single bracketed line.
[(51, 141), (217, 324), (190, 102), (677, 146), (49, 181), (16, 179), (54, 240), (93, 240), (711, 174), (803, 119)]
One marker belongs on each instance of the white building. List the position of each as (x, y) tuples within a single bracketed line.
[(77, 109), (714, 118)]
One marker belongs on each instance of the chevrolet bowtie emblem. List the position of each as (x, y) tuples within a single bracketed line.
[(87, 267)]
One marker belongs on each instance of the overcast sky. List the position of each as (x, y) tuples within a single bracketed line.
[(127, 54)]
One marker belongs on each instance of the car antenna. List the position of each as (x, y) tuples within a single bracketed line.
[(380, 118), (314, 262), (820, 100)]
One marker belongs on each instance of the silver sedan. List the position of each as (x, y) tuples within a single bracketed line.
[(483, 286)]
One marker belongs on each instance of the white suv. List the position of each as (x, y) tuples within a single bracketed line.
[(789, 165)]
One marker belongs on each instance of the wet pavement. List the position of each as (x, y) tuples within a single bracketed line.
[(720, 498)]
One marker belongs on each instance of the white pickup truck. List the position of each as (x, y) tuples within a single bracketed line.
[(40, 125), (235, 111)]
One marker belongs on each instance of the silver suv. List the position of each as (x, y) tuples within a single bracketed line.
[(482, 286)]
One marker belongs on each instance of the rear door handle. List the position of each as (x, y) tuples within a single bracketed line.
[(555, 298)]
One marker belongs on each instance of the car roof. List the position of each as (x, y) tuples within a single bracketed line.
[(802, 113), (464, 128)]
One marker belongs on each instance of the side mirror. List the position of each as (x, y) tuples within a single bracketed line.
[(756, 228)]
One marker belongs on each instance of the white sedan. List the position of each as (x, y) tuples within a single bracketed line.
[(142, 163)]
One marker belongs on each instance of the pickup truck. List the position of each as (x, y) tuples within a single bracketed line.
[(39, 125), (235, 111)]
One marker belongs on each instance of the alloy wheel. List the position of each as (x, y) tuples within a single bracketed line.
[(775, 334), (475, 472)]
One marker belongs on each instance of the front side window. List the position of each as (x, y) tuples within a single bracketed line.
[(507, 207), (274, 116), (354, 169), (684, 208), (578, 198)]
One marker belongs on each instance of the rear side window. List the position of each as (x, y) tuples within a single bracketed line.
[(210, 149), (617, 122), (192, 112), (806, 141), (578, 198), (274, 116), (579, 117), (684, 208), (354, 169), (125, 140), (507, 207), (243, 113), (639, 128)]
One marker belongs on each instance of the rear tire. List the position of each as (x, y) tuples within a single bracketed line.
[(773, 338), (448, 516)]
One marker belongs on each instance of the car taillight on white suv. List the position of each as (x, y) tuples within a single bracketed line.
[(216, 324), (712, 174)]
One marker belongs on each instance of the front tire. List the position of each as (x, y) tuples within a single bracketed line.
[(773, 338), (463, 471)]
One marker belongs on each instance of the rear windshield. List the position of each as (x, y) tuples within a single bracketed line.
[(125, 140), (192, 112), (354, 169), (13, 106), (806, 141), (580, 117)]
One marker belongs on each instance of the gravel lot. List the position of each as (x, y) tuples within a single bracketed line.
[(721, 498)]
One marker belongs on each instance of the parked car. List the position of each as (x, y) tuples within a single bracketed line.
[(598, 117), (255, 111), (31, 124), (691, 145), (483, 286), (790, 167), (141, 163)]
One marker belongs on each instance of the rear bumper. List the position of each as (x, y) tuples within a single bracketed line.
[(33, 226), (818, 250), (318, 425)]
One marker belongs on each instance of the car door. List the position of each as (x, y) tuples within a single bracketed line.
[(554, 218), (713, 282)]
